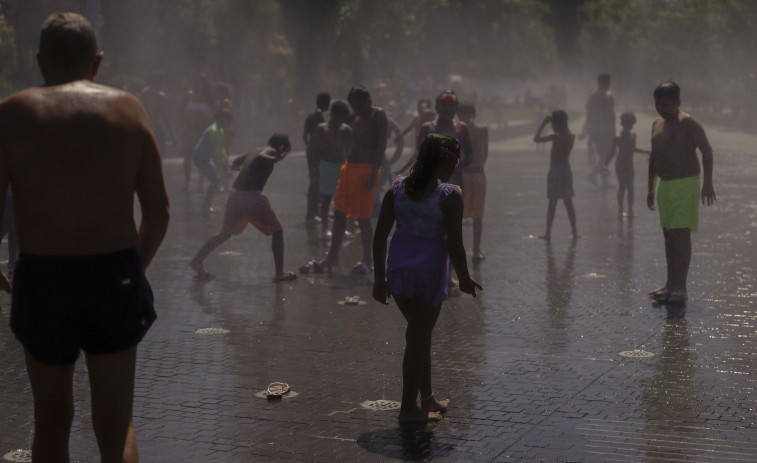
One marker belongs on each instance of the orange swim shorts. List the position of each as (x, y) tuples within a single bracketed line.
[(249, 206), (474, 195), (351, 196)]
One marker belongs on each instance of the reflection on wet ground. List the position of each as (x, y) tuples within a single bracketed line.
[(532, 365)]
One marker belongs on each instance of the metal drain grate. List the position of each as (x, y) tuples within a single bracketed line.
[(20, 455), (636, 353), (211, 331), (381, 404)]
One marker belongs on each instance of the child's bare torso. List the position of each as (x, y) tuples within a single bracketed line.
[(562, 145), (674, 144), (334, 142)]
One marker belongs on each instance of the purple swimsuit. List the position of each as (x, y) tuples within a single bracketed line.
[(418, 262)]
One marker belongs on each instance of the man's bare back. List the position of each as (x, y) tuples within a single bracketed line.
[(75, 154)]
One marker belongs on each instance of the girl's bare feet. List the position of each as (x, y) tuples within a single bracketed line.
[(658, 290), (433, 405), (419, 416)]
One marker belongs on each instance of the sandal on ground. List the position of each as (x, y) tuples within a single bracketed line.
[(288, 276), (478, 259), (314, 267), (277, 390)]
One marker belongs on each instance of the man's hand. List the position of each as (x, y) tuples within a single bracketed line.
[(650, 201), (708, 194)]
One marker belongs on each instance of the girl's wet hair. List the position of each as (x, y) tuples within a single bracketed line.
[(434, 149)]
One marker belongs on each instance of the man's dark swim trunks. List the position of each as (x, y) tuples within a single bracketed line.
[(61, 304)]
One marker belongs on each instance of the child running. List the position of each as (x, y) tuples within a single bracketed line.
[(560, 177), (247, 203), (625, 146), (429, 215), (675, 139)]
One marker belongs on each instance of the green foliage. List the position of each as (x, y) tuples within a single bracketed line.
[(292, 48)]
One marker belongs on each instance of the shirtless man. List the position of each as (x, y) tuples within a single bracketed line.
[(247, 203), (358, 182), (675, 139), (75, 154), (600, 121)]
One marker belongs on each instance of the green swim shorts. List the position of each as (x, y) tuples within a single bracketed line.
[(678, 202)]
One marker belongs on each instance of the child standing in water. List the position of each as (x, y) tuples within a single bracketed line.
[(560, 177), (429, 215), (675, 139), (625, 146)]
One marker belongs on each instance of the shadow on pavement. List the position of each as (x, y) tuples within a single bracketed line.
[(408, 442)]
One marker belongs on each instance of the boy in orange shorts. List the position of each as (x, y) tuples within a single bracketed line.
[(247, 203), (358, 182), (474, 177)]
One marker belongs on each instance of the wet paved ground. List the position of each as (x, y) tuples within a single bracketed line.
[(532, 366)]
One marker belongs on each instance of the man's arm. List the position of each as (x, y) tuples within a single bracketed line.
[(701, 141), (613, 149), (5, 284), (651, 177), (153, 200)]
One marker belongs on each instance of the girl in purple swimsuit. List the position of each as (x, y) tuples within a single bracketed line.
[(429, 215)]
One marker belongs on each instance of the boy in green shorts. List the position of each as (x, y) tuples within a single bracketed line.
[(675, 138)]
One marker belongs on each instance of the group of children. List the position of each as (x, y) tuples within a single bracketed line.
[(428, 206), (673, 161)]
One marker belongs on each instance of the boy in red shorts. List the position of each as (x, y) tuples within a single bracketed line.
[(247, 203)]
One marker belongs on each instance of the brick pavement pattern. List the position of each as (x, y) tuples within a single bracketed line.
[(532, 366)]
